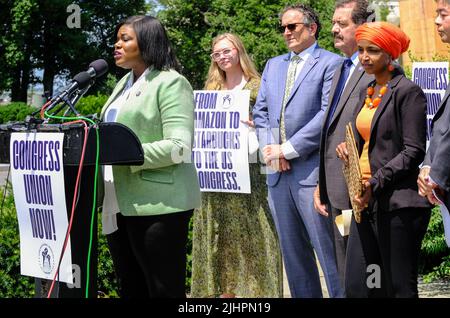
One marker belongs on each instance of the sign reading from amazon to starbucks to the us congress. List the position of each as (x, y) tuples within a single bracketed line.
[(220, 150)]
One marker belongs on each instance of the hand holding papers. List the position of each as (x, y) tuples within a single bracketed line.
[(343, 222)]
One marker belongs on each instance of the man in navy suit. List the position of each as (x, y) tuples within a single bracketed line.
[(331, 195), (288, 115), (434, 177)]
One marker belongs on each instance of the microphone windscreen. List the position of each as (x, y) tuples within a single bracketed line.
[(82, 79), (100, 66)]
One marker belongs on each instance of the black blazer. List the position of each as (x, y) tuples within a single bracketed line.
[(397, 145)]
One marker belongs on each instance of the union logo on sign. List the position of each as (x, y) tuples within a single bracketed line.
[(46, 259), (227, 100)]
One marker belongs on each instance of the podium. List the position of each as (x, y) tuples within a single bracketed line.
[(118, 146)]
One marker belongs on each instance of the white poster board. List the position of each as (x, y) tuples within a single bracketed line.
[(432, 77), (37, 177), (220, 150)]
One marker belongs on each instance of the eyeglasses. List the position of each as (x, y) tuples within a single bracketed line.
[(291, 27), (225, 52)]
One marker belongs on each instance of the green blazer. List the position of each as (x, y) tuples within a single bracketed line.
[(161, 113)]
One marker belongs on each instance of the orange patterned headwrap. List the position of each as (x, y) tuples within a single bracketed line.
[(385, 35)]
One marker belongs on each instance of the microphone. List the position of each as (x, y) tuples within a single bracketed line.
[(80, 81), (83, 79), (98, 68)]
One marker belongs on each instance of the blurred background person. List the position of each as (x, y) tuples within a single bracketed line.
[(146, 224), (235, 246), (434, 178)]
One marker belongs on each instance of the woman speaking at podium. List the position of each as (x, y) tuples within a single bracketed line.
[(147, 208)]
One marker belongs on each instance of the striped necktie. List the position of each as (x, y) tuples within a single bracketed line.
[(290, 80)]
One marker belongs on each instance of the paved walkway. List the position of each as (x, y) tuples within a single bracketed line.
[(287, 293), (3, 173), (440, 289)]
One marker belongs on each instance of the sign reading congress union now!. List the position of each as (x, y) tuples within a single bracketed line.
[(432, 77), (38, 184), (220, 150)]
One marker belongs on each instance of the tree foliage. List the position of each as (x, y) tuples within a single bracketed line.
[(193, 24), (37, 36)]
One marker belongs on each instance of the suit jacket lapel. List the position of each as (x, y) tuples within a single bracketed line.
[(442, 104), (334, 83), (385, 101), (282, 80), (114, 94), (349, 88), (307, 67), (352, 84)]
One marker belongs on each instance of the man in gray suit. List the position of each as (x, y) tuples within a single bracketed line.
[(331, 195), (288, 115), (434, 177)]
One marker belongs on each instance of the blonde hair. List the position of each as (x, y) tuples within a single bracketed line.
[(217, 77)]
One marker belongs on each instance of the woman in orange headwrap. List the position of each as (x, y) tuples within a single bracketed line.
[(383, 250)]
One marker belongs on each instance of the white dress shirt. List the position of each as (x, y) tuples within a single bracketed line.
[(110, 204), (286, 148)]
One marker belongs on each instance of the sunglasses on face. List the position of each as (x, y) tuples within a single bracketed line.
[(225, 52), (291, 27)]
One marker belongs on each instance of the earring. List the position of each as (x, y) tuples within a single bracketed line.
[(390, 67)]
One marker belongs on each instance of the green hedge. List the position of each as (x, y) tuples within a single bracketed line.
[(435, 255), (91, 104), (15, 112), (18, 111), (12, 284)]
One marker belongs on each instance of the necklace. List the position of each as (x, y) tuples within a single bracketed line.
[(374, 103)]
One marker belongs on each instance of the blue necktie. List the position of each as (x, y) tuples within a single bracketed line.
[(339, 89)]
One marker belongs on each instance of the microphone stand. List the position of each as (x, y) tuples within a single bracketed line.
[(75, 100), (71, 102), (67, 101)]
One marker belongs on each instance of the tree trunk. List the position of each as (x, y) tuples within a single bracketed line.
[(49, 76), (49, 59), (26, 69), (16, 86), (24, 85), (21, 80)]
